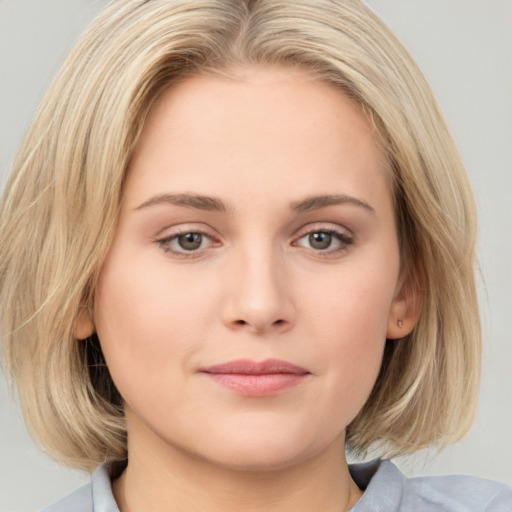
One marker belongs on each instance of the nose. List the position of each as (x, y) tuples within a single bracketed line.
[(259, 296)]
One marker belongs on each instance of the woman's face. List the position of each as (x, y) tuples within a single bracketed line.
[(245, 301)]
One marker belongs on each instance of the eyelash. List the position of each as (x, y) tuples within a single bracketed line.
[(165, 243), (343, 239)]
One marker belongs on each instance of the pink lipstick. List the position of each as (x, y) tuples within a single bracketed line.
[(256, 379)]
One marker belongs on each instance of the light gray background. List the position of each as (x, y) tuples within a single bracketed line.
[(465, 49)]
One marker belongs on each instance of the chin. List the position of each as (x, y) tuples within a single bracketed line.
[(257, 462), (260, 453)]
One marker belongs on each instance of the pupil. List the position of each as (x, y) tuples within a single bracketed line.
[(190, 241), (320, 240)]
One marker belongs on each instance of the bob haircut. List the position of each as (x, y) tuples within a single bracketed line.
[(61, 205)]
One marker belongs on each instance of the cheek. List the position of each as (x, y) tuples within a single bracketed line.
[(149, 323), (351, 306), (348, 322)]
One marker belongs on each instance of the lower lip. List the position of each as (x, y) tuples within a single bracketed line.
[(260, 385)]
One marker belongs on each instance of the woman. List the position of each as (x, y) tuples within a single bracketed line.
[(251, 247)]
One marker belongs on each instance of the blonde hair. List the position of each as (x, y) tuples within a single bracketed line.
[(60, 209)]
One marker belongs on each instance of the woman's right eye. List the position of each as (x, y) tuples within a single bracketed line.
[(186, 244)]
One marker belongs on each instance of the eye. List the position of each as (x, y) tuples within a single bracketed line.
[(321, 240), (187, 243), (190, 241), (325, 241)]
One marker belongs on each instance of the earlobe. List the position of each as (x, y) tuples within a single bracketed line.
[(84, 326), (405, 310)]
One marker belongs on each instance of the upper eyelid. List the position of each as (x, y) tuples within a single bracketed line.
[(183, 228), (325, 227), (176, 234)]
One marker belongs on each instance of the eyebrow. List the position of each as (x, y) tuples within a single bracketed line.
[(214, 204), (189, 200), (316, 202)]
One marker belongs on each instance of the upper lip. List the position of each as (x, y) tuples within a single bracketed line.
[(249, 367)]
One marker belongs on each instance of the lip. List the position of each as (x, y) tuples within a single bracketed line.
[(257, 379)]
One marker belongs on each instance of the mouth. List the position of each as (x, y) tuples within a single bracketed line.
[(256, 379)]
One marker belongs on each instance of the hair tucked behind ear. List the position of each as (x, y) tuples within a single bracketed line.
[(61, 204)]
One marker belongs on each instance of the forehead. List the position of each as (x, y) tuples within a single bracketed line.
[(275, 128)]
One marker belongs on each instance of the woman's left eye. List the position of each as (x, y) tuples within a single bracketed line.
[(325, 241)]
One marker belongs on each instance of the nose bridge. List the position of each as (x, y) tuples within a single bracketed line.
[(259, 294)]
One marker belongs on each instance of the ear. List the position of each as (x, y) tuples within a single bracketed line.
[(405, 308), (84, 326)]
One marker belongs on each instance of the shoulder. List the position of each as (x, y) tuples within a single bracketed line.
[(459, 492), (94, 497), (388, 489)]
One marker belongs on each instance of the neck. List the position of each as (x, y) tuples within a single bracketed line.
[(175, 480)]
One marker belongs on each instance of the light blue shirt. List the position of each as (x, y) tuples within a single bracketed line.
[(385, 490)]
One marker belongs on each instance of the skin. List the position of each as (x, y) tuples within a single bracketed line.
[(257, 287)]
